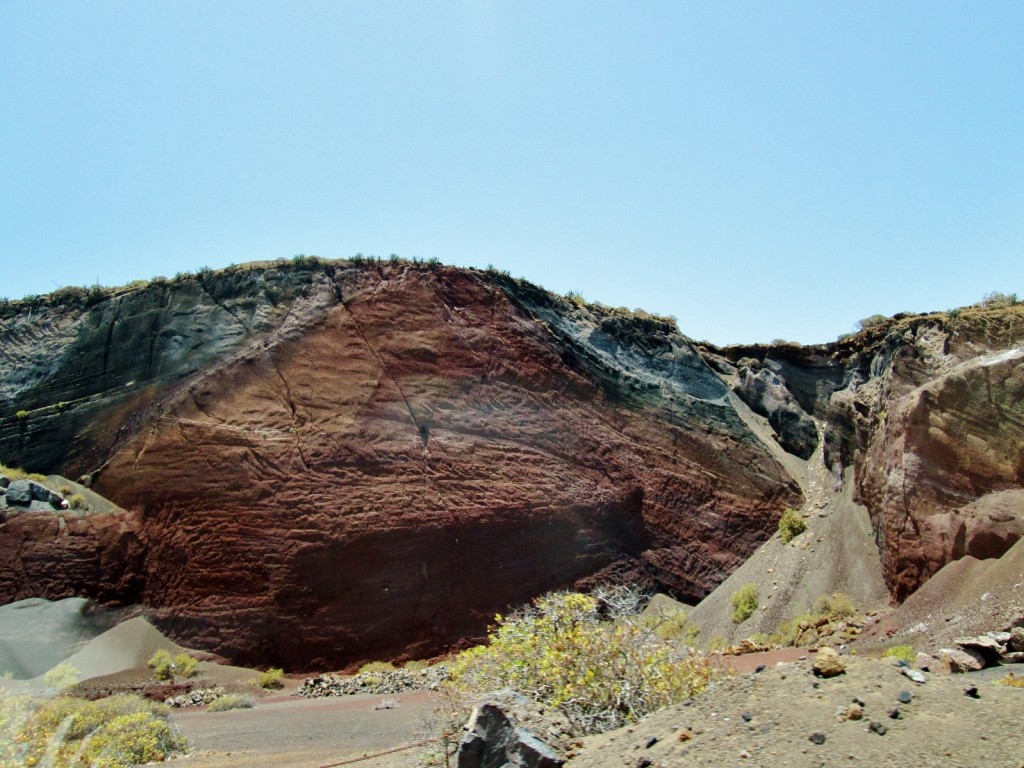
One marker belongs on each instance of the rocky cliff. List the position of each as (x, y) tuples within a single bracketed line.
[(325, 463), (321, 463), (927, 413)]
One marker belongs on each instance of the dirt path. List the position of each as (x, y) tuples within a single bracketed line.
[(294, 732)]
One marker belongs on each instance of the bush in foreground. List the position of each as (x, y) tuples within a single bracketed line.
[(68, 733), (600, 674)]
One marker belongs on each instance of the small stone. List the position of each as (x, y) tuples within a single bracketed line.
[(1016, 641), (854, 712), (878, 728), (747, 717), (651, 742), (644, 762), (817, 738), (895, 713), (859, 701), (744, 754), (972, 692), (904, 697), (684, 735), (827, 663), (760, 668), (965, 660)]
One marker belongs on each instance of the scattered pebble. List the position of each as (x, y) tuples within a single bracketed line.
[(817, 738), (915, 675), (904, 697)]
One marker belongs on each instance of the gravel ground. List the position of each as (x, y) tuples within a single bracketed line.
[(295, 732), (786, 716)]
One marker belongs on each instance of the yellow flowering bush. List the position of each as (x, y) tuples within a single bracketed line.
[(600, 674), (66, 732)]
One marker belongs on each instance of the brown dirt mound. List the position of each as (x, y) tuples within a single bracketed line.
[(966, 597)]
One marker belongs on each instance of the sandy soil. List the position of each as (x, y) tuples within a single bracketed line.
[(768, 719), (836, 553), (966, 597)]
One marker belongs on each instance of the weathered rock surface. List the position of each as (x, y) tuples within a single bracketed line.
[(327, 465), (927, 411), (507, 729)]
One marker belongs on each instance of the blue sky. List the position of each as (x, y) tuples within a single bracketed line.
[(759, 170)]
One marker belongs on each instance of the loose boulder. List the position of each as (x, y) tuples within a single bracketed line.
[(496, 734), (827, 663)]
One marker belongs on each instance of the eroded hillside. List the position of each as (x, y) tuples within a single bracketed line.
[(325, 462), (331, 462)]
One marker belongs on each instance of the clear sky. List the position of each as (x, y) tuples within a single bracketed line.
[(759, 170)]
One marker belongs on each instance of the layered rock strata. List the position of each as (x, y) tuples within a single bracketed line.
[(327, 464)]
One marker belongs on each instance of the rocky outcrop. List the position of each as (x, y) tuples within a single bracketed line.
[(328, 463), (932, 423), (324, 463), (927, 413), (505, 728)]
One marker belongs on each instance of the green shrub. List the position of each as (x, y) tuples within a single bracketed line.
[(377, 666), (22, 414), (165, 668), (161, 665), (185, 665), (62, 676), (905, 652), (999, 299), (231, 701), (744, 603), (791, 525), (871, 322), (77, 501), (414, 665), (837, 605), (599, 674), (576, 298), (272, 678), (13, 473)]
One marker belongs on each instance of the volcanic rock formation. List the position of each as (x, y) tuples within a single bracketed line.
[(327, 463), (322, 463)]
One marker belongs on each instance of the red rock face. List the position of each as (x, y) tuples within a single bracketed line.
[(429, 446), (944, 470)]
